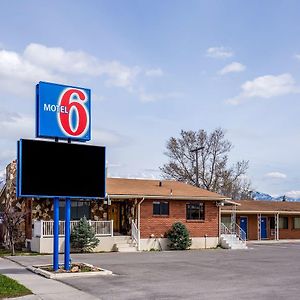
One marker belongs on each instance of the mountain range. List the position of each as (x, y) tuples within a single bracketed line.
[(263, 196)]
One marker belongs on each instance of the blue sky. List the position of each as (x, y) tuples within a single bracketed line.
[(156, 67)]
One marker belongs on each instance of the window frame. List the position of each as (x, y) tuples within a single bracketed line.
[(201, 210), (296, 228), (79, 209), (161, 214), (287, 223)]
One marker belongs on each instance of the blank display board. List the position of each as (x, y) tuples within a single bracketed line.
[(49, 169)]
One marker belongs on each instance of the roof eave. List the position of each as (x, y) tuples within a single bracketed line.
[(263, 212), (170, 197)]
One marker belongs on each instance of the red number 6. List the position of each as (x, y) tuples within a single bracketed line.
[(71, 107)]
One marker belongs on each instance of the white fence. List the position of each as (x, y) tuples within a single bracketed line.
[(45, 228)]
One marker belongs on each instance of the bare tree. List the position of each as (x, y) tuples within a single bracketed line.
[(214, 174), (12, 220)]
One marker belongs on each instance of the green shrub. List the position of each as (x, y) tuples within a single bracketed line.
[(83, 236), (179, 237)]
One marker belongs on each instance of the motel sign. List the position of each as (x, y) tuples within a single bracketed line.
[(63, 112)]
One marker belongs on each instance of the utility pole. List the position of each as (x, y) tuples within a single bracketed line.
[(196, 150)]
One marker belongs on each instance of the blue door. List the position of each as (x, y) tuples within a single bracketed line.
[(244, 226), (263, 227)]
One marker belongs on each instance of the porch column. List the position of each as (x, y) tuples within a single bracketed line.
[(233, 218), (258, 227), (277, 227), (219, 223), (139, 224)]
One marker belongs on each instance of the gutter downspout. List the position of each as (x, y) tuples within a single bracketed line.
[(139, 222), (219, 221)]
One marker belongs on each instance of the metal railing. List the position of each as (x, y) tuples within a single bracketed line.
[(234, 231), (45, 228), (240, 233), (135, 234)]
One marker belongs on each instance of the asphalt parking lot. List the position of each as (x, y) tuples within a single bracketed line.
[(261, 272)]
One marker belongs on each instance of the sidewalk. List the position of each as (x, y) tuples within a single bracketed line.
[(273, 241), (41, 287)]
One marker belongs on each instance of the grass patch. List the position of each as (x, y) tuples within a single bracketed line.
[(5, 252), (11, 288)]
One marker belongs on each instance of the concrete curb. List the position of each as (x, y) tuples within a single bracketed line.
[(270, 242), (41, 287), (38, 270)]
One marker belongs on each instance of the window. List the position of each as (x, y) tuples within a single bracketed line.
[(272, 222), (195, 211), (226, 220), (283, 223), (160, 208), (79, 209), (296, 223)]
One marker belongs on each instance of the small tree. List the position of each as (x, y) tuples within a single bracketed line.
[(83, 236), (12, 221), (179, 237)]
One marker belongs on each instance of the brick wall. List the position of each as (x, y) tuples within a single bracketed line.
[(289, 233), (159, 225)]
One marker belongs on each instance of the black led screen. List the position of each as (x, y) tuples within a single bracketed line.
[(49, 169)]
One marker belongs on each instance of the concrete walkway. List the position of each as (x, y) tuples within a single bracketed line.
[(266, 242), (42, 288)]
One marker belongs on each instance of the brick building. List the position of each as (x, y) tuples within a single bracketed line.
[(135, 216), (265, 220), (157, 204)]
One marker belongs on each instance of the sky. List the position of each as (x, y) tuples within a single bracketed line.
[(156, 67)]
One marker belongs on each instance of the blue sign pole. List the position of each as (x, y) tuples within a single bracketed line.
[(55, 232), (67, 233)]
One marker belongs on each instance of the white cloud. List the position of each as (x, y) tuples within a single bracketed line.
[(55, 64), (154, 72), (276, 175), (266, 87), (7, 155), (297, 56), (114, 165), (108, 138), (39, 62), (219, 52), (59, 60), (14, 126), (293, 194), (234, 67), (120, 75), (16, 72), (81, 63)]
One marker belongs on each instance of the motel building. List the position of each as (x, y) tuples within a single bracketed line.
[(264, 220), (137, 213), (135, 216)]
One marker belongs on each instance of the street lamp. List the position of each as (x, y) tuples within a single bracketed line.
[(197, 168)]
